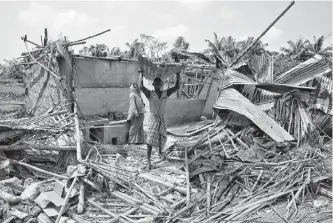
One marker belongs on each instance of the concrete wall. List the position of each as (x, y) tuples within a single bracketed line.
[(100, 101), (178, 111), (212, 96), (89, 73), (102, 87)]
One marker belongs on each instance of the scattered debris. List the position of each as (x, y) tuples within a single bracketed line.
[(252, 156)]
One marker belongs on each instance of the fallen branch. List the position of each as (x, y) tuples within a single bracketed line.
[(35, 168)]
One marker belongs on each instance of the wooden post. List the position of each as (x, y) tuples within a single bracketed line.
[(208, 197), (179, 92), (188, 185), (45, 37), (80, 206)]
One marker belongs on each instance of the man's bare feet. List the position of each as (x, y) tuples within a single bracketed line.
[(148, 167), (161, 156)]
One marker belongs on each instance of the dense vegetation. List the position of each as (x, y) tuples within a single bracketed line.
[(223, 50), (220, 50)]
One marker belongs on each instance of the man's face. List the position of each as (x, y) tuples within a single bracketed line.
[(157, 85)]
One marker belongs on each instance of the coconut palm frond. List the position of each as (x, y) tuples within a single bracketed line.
[(319, 43), (213, 48), (286, 50), (292, 45)]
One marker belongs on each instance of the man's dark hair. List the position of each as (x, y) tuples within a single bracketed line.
[(158, 80)]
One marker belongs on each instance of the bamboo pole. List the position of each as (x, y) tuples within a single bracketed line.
[(188, 184), (37, 147), (45, 37), (24, 38), (66, 200), (208, 199), (35, 168), (263, 33), (204, 137), (51, 72), (89, 37), (80, 206)]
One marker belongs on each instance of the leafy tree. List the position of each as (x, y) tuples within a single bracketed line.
[(11, 69), (152, 47), (84, 51), (181, 43), (99, 50)]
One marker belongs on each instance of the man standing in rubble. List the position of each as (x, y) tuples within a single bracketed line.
[(157, 132)]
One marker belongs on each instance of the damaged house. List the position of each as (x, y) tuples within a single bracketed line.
[(65, 159)]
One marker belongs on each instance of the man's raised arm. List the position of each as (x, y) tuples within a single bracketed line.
[(145, 91), (172, 90)]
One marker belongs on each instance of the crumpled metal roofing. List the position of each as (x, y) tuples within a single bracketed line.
[(304, 72), (230, 99), (232, 77), (323, 94)]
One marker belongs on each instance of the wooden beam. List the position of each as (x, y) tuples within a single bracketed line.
[(37, 147)]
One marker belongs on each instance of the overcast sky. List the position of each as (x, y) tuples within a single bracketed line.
[(195, 20)]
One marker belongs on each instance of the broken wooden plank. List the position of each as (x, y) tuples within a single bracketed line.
[(132, 201), (230, 99), (162, 182), (113, 215), (125, 215)]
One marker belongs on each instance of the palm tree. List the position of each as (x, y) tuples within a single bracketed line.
[(115, 51), (220, 48), (227, 49), (296, 50), (317, 47), (257, 49), (135, 48)]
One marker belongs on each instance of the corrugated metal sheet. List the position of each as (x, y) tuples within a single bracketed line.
[(263, 67), (322, 99), (235, 119), (231, 77), (304, 72), (230, 99), (266, 106)]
